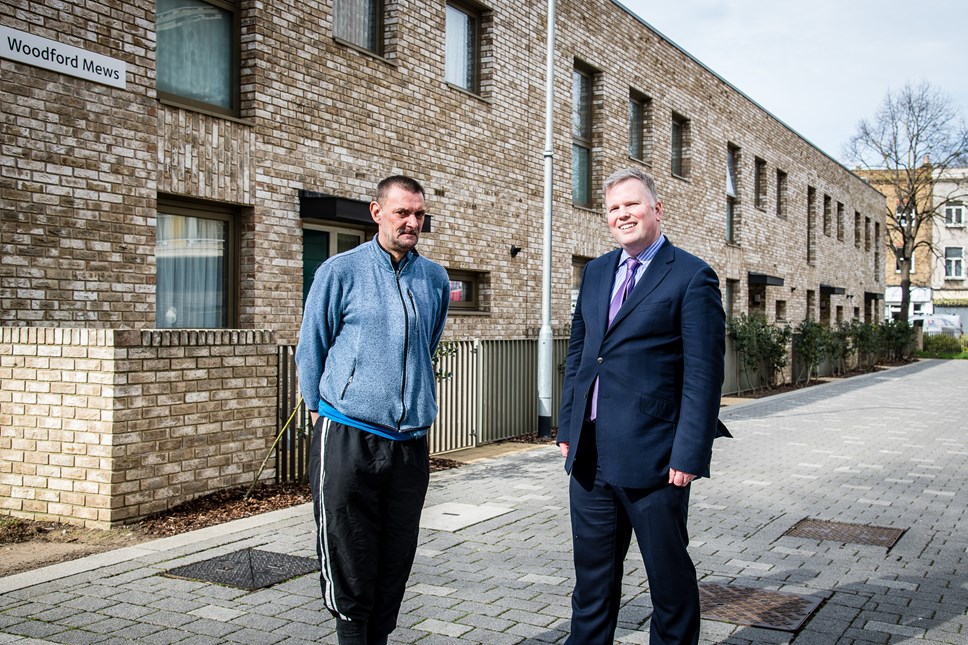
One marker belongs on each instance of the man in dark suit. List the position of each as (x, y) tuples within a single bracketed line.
[(638, 416)]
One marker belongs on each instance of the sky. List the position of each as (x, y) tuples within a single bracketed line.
[(820, 66)]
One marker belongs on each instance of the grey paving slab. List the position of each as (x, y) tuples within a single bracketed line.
[(887, 449)]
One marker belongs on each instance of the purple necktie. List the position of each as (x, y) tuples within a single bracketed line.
[(623, 292)]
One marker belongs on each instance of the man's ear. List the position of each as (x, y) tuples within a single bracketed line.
[(375, 211)]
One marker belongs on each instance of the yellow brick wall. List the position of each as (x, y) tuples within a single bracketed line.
[(99, 427)]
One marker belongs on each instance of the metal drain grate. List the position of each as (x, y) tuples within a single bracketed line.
[(848, 533), (756, 607), (247, 569)]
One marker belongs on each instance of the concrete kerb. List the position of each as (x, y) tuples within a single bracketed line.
[(214, 536)]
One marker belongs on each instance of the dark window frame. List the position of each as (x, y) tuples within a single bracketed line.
[(231, 215), (476, 14), (680, 140), (378, 48), (233, 7), (582, 132), (643, 104), (759, 183), (474, 278)]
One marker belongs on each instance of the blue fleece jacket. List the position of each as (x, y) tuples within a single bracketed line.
[(368, 335)]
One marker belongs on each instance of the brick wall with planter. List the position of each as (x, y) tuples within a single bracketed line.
[(102, 427)]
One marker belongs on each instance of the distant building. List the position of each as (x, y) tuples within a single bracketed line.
[(949, 290), (922, 264)]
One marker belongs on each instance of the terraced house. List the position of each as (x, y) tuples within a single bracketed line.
[(172, 172)]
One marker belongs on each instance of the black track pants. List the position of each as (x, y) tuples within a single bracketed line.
[(367, 496)]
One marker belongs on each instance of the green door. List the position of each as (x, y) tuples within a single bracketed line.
[(315, 252), (318, 246)]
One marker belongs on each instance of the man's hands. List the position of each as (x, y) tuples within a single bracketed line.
[(679, 478), (676, 477)]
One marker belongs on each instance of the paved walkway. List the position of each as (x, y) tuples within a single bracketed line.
[(887, 449)]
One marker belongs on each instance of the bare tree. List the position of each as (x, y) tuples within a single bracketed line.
[(916, 136)]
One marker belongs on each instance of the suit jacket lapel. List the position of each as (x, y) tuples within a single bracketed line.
[(658, 269), (606, 280)]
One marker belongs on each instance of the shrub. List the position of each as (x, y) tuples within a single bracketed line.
[(760, 344), (809, 344), (897, 339), (939, 344)]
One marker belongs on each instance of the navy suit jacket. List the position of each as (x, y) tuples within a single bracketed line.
[(659, 365)]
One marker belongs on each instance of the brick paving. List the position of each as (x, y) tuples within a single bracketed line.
[(887, 449)]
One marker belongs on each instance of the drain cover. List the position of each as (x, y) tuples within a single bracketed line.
[(756, 607), (849, 533), (247, 569)]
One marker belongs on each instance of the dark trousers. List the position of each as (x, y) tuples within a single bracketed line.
[(368, 493), (603, 519)]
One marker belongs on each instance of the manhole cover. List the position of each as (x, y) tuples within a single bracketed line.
[(756, 607), (849, 533), (247, 569)]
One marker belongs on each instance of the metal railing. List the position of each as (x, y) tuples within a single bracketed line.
[(489, 394)]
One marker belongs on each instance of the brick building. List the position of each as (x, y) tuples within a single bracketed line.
[(188, 167)]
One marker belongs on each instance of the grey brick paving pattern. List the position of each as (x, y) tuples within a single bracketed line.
[(886, 449)]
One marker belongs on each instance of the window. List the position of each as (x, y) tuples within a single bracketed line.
[(198, 48), (465, 290), (196, 260), (857, 233), (811, 305), (729, 297), (463, 47), (581, 132), (867, 234), (902, 216), (759, 183), (640, 127), (732, 191), (811, 224), (577, 266), (954, 259), (878, 267), (954, 215), (899, 257), (360, 23), (680, 145), (781, 309), (826, 214), (781, 193), (840, 221)]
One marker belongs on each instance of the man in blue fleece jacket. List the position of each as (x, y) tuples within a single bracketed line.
[(373, 318)]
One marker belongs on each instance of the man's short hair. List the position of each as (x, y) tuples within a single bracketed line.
[(634, 173), (408, 184)]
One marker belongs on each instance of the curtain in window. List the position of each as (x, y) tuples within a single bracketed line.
[(581, 105), (191, 255), (358, 22), (730, 170), (461, 63), (195, 49)]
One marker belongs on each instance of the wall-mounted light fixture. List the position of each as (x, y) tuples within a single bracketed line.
[(515, 250)]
